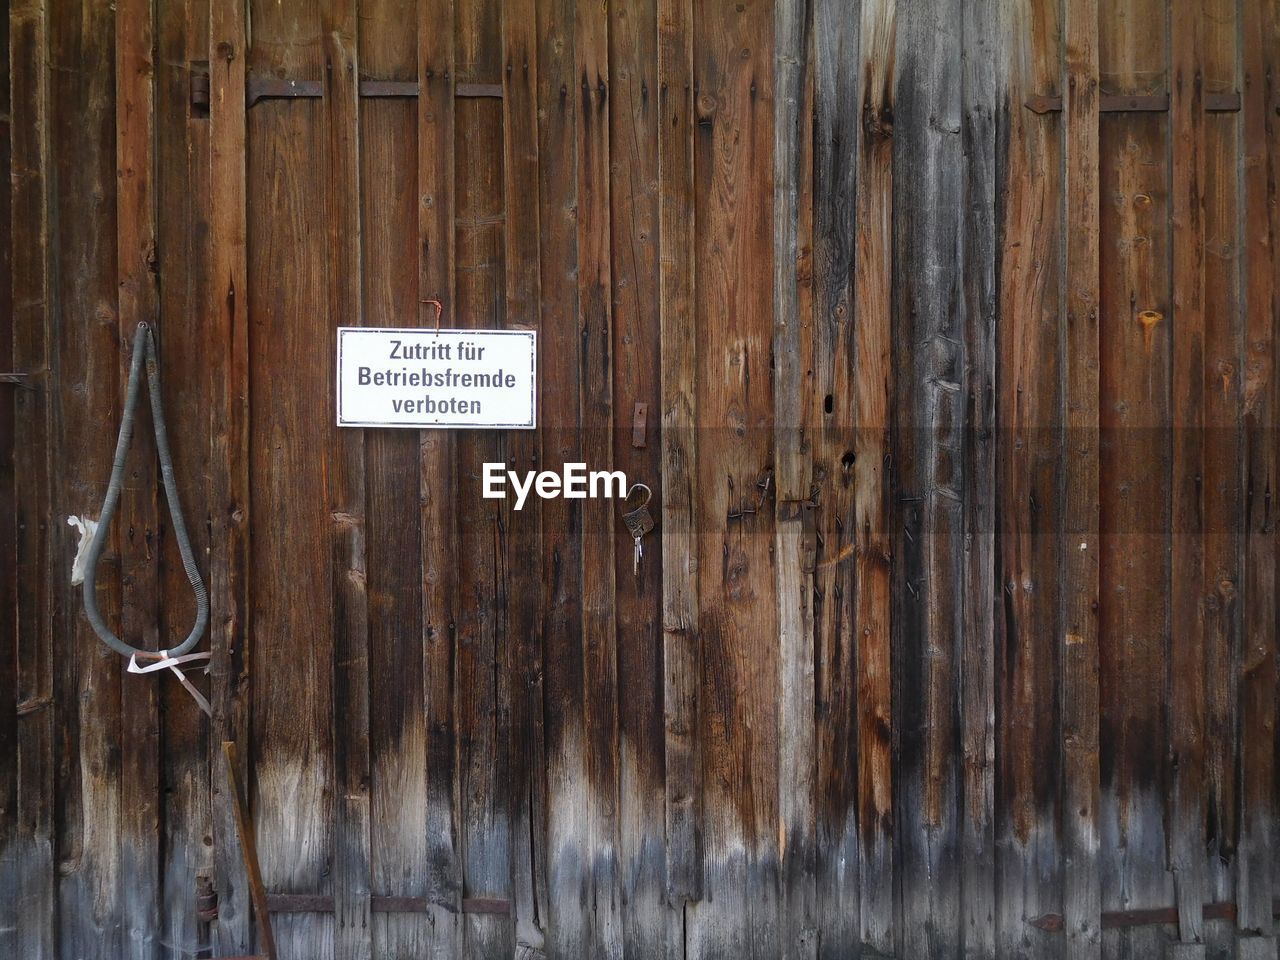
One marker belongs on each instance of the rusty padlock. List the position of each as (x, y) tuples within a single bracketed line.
[(639, 521)]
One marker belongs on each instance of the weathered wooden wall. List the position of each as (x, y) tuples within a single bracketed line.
[(956, 325)]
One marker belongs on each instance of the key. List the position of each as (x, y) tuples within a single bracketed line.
[(639, 522)]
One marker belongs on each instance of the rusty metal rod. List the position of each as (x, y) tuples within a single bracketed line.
[(1120, 919)]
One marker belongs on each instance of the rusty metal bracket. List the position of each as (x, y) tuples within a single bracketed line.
[(260, 87), (15, 379), (324, 903), (639, 424), (1150, 103), (1120, 919)]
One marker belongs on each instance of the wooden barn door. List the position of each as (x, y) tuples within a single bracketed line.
[(943, 331)]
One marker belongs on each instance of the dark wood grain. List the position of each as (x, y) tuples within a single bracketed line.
[(399, 860), (484, 559), (1029, 469), (37, 731), (438, 522), (1135, 405), (595, 357), (1223, 376), (919, 298), (525, 663), (983, 124), (681, 651), (183, 258), (932, 473), (1081, 891), (228, 488), (138, 301), (844, 298), (1257, 664), (85, 363), (292, 479), (347, 503), (734, 487), (794, 580), (634, 270), (872, 517), (1188, 608), (8, 524)]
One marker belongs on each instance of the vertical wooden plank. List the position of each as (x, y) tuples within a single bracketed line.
[(524, 656), (346, 492), (932, 473), (1029, 461), (36, 901), (484, 558), (399, 650), (1135, 471), (733, 189), (637, 370), (873, 392), (87, 348), (1081, 895), (839, 147), (9, 831), (559, 97), (1189, 605), (793, 520), (291, 481), (182, 220), (681, 646), (984, 97), (229, 506), (138, 300), (1254, 858), (595, 418), (438, 520), (1223, 455)]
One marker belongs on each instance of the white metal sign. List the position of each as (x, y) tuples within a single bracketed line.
[(391, 377)]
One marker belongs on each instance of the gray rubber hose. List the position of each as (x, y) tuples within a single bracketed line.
[(144, 348)]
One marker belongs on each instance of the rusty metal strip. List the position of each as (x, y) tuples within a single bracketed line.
[(249, 850), (324, 903), (1121, 919), (17, 379), (260, 87), (1152, 103), (478, 90)]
